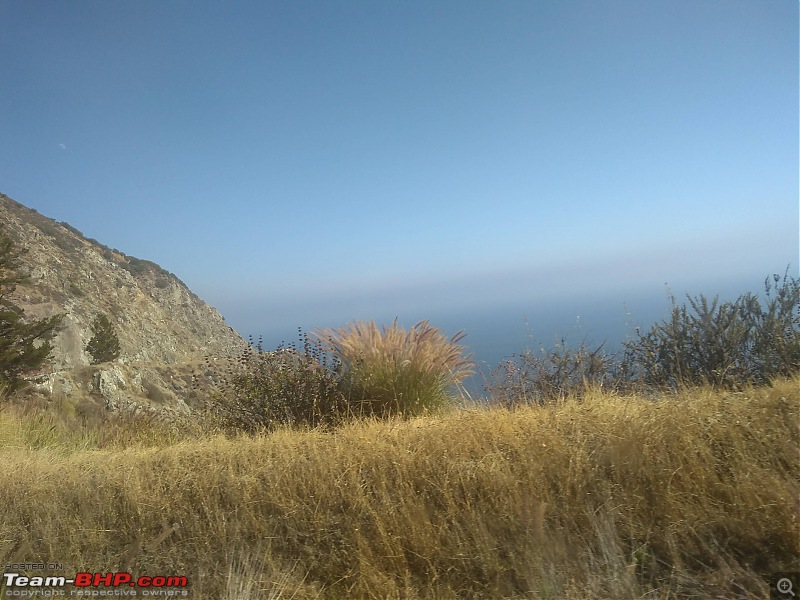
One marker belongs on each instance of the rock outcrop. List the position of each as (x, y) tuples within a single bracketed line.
[(162, 326)]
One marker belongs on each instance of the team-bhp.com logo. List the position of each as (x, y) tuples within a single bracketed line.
[(94, 584)]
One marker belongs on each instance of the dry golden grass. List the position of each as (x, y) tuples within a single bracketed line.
[(613, 497)]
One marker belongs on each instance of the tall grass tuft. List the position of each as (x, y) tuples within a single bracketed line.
[(390, 370)]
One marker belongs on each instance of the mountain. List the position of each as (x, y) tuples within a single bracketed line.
[(163, 327)]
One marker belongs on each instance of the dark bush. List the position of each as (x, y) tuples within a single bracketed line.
[(104, 345), (538, 377), (725, 344), (776, 344), (265, 389)]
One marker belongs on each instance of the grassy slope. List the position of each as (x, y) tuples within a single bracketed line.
[(692, 496)]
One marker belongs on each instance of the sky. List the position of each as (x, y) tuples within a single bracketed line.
[(309, 163)]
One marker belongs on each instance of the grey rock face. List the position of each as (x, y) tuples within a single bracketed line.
[(158, 320)]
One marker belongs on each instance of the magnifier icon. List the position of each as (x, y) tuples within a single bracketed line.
[(784, 586)]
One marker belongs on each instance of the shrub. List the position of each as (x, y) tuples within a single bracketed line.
[(536, 378), (391, 371), (104, 345), (776, 343), (705, 344), (265, 389), (724, 345)]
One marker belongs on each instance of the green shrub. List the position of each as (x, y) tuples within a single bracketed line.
[(539, 377), (265, 389), (391, 371), (722, 344), (104, 345), (776, 343)]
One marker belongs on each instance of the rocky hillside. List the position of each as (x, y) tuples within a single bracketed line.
[(158, 320)]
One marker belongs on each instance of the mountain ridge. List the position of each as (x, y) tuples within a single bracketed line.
[(160, 322)]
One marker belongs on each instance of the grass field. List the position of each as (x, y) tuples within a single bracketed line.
[(694, 495)]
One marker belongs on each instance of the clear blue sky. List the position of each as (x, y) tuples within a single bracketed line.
[(304, 163)]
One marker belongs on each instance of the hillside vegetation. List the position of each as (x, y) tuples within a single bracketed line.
[(693, 495)]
